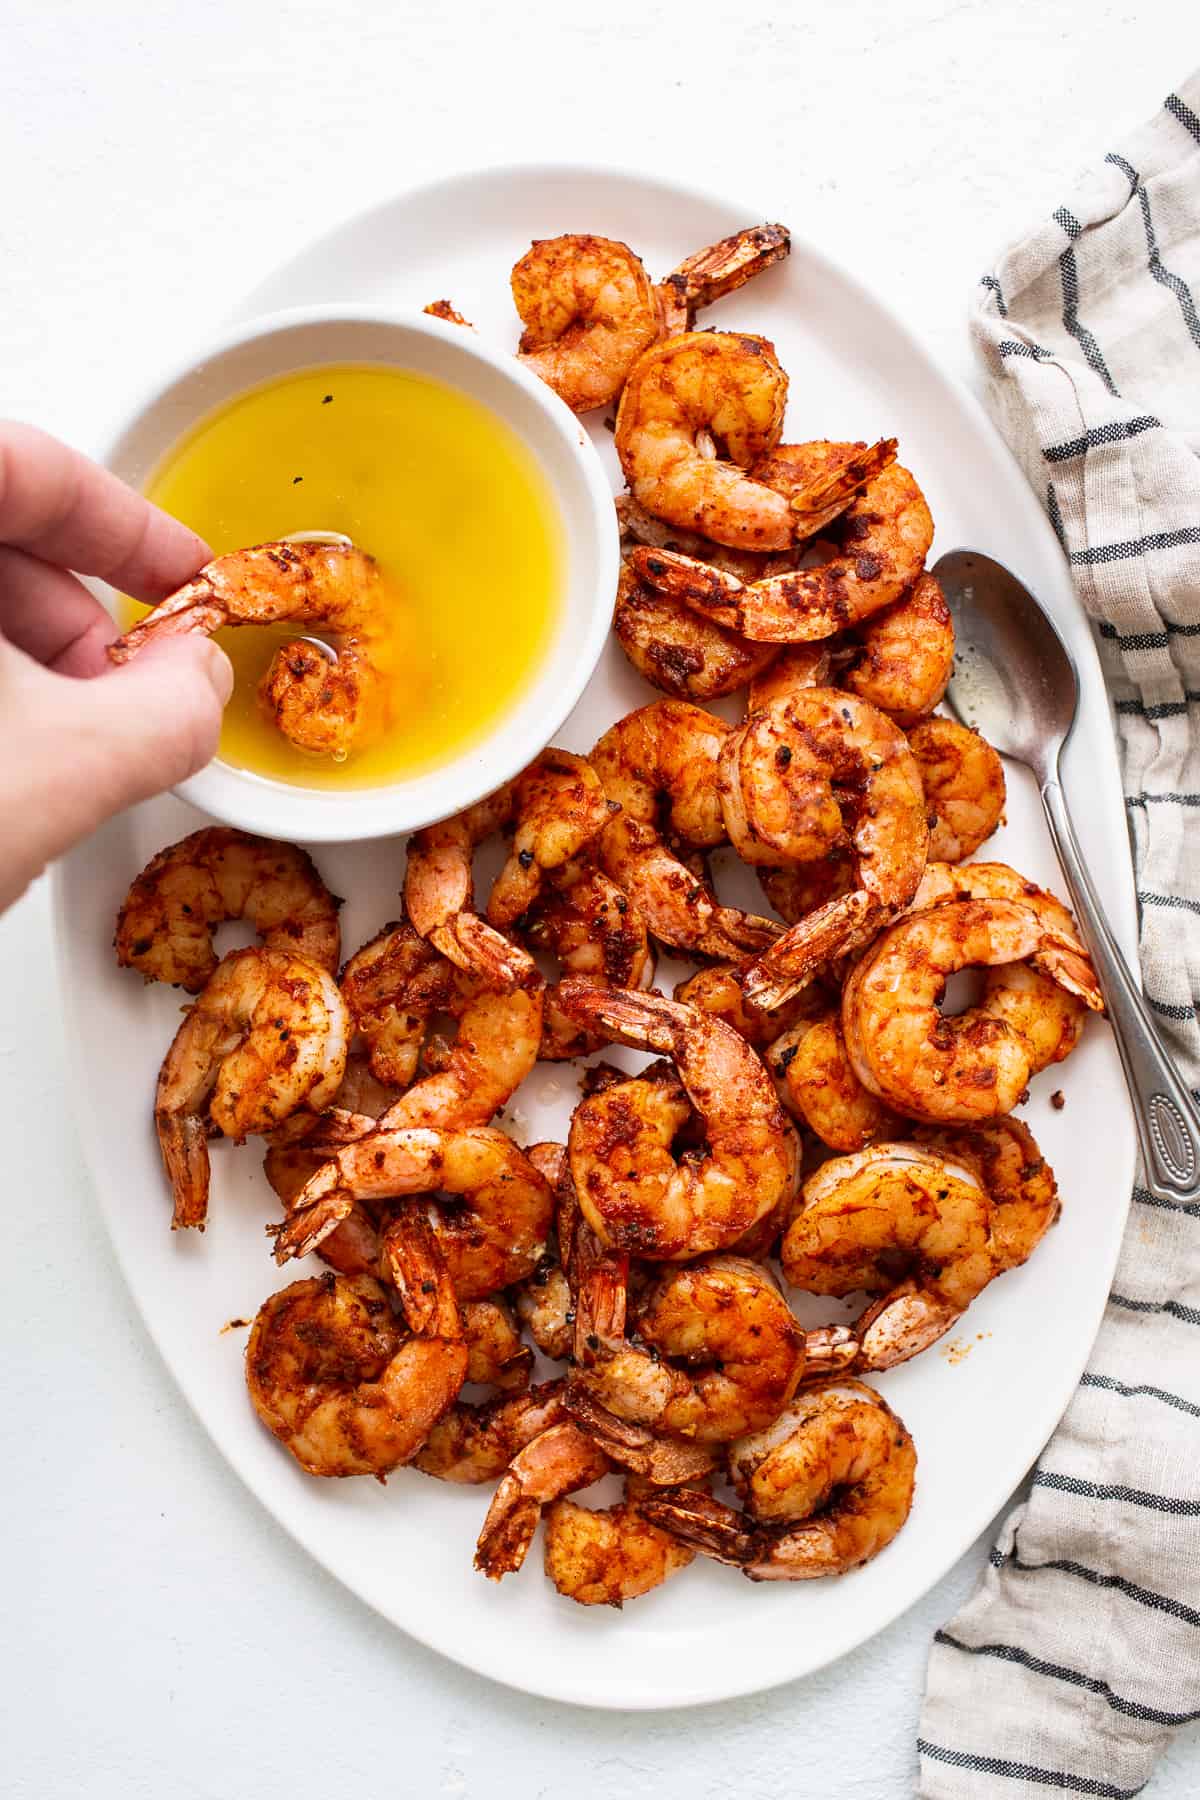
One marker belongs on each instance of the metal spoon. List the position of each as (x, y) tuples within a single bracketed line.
[(1015, 680)]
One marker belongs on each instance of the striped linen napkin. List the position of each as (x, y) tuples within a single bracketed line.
[(1079, 1654)]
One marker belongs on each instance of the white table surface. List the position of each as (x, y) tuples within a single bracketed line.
[(161, 1639)]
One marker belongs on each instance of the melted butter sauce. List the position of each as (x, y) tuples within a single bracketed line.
[(441, 493)]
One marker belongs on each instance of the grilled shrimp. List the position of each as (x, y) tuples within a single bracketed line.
[(472, 1444), (798, 779), (816, 1083), (265, 1038), (496, 1357), (166, 923), (559, 808), (561, 1460), (928, 1224), (605, 1556), (826, 1488), (883, 536), (589, 309), (393, 987), (719, 269), (963, 779), (320, 706), (682, 397), (930, 1066), (633, 1192), (586, 920), (903, 655), (677, 651), (660, 765), (340, 1384), (718, 991), (723, 1355), (495, 1237)]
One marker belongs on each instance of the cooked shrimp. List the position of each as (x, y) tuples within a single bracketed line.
[(165, 926), (660, 765), (496, 1357), (820, 479), (798, 780), (827, 1487), (804, 774), (930, 1066), (1063, 956), (633, 1192), (472, 1444), (586, 920), (558, 1462), (605, 1556), (265, 1038), (340, 1384), (559, 809), (494, 1237), (589, 310), (1018, 1179), (903, 654), (1049, 1019), (963, 780), (816, 1082), (393, 987), (676, 650), (544, 1301), (724, 1355), (885, 535), (716, 386), (318, 704), (439, 895), (708, 275), (718, 991)]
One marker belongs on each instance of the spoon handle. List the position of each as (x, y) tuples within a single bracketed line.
[(1168, 1123)]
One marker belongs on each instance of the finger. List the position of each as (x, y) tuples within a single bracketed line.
[(51, 617), (90, 748), (61, 507)]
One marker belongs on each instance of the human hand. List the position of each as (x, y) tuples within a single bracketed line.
[(79, 739)]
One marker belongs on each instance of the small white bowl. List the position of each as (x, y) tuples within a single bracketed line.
[(308, 336)]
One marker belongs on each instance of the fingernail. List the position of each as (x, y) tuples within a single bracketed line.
[(219, 670)]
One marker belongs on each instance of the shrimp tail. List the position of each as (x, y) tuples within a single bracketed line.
[(719, 269), (312, 1223), (183, 1141), (705, 1524), (830, 1350), (795, 958), (663, 1462), (512, 1518), (418, 1273), (901, 1324), (194, 607), (1070, 967), (474, 945)]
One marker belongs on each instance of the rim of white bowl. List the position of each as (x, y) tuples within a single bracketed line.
[(341, 815)]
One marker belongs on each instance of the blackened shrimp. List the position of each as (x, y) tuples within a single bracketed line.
[(633, 1191), (166, 923)]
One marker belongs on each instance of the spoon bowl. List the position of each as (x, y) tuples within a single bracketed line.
[(1015, 681)]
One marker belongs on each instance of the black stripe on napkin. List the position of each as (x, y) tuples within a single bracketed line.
[(1132, 1709), (1115, 432), (1173, 900), (1015, 1771), (1145, 640), (1162, 709), (990, 282), (1143, 1197), (1103, 1490), (1112, 1386), (1010, 347), (1081, 1572), (1179, 109), (1164, 276), (1069, 276), (1135, 547), (1190, 1315)]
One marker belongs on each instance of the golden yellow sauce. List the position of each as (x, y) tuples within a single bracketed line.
[(441, 493)]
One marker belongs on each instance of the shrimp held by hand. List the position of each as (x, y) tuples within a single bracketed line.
[(321, 705)]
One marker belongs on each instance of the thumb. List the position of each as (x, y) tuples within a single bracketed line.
[(81, 750)]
